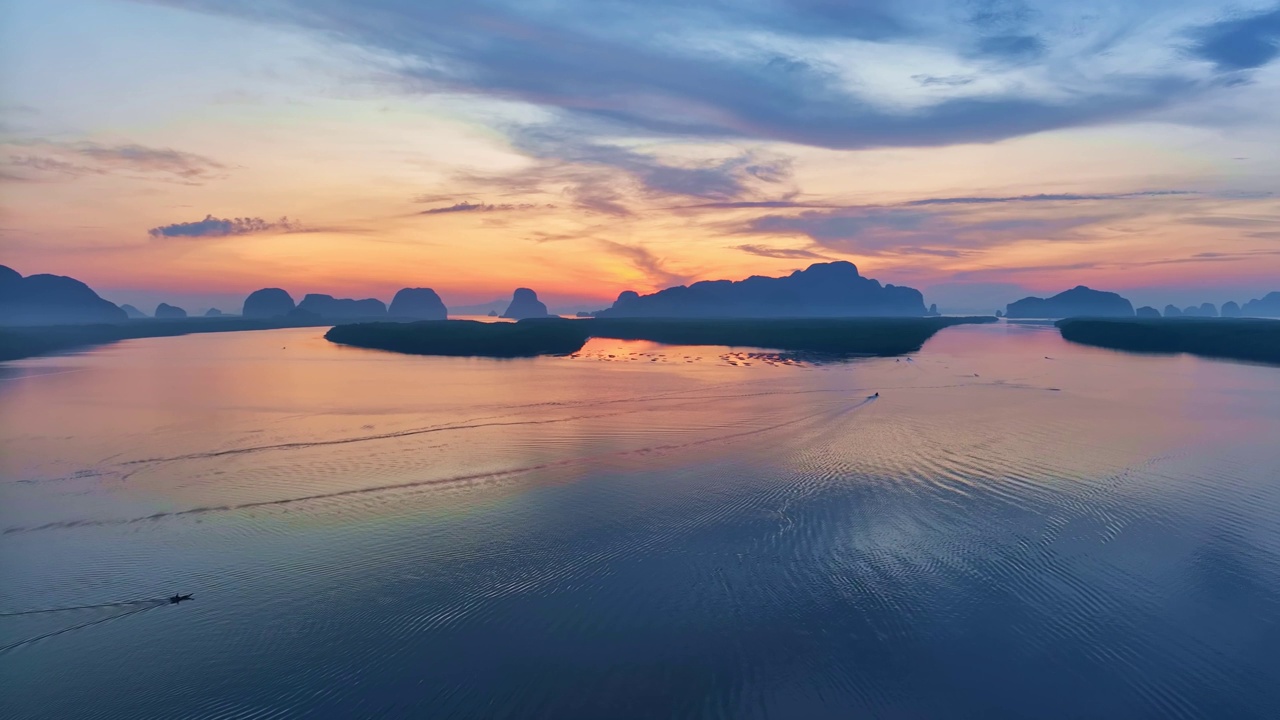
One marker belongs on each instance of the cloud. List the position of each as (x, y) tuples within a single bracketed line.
[(944, 80), (211, 226), (905, 230), (646, 262), (781, 253), (77, 159), (765, 71), (1240, 43), (482, 207), (605, 179), (1043, 197), (725, 179), (1229, 221), (750, 204), (1012, 47)]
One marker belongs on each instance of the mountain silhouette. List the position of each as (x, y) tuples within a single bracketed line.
[(1079, 301), (418, 303), (1267, 306), (1172, 311), (51, 300), (1146, 311), (267, 303), (170, 312), (832, 289), (525, 304), (132, 312), (213, 312), (1230, 309), (327, 306)]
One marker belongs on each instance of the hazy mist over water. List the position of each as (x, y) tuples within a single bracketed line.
[(1015, 527)]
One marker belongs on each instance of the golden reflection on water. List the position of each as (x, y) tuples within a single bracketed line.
[(171, 424)]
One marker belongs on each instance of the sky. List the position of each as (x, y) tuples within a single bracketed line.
[(192, 151)]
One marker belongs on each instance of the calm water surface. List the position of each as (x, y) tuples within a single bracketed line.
[(1016, 527)]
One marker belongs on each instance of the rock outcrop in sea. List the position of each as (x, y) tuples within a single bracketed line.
[(1146, 311), (327, 306), (418, 303), (267, 303), (51, 300), (1079, 301), (132, 312), (1266, 306), (169, 312), (832, 289), (213, 312), (1172, 311), (525, 304), (1230, 309), (1201, 310)]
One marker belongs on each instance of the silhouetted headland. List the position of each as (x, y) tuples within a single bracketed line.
[(21, 342), (418, 303), (1252, 339), (527, 338), (1266, 306), (1202, 310), (51, 300), (832, 289), (525, 305), (329, 307), (268, 303), (1079, 301), (165, 311), (132, 312)]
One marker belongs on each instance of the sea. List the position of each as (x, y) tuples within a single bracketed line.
[(1001, 525)]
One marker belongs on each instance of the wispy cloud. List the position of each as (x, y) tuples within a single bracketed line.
[(50, 160), (469, 207), (645, 261), (913, 231), (1240, 43), (212, 226), (781, 253), (1043, 198), (955, 226), (646, 68)]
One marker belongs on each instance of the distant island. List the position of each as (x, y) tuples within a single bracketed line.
[(528, 338), (525, 305), (1079, 301), (51, 300), (165, 311), (50, 313), (327, 306), (418, 303), (1267, 306), (1252, 339), (834, 289), (268, 303)]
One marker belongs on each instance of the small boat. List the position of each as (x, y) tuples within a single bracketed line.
[(178, 598)]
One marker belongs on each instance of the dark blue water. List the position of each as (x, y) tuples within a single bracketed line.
[(1015, 528)]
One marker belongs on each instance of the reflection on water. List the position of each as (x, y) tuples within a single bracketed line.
[(1015, 527)]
